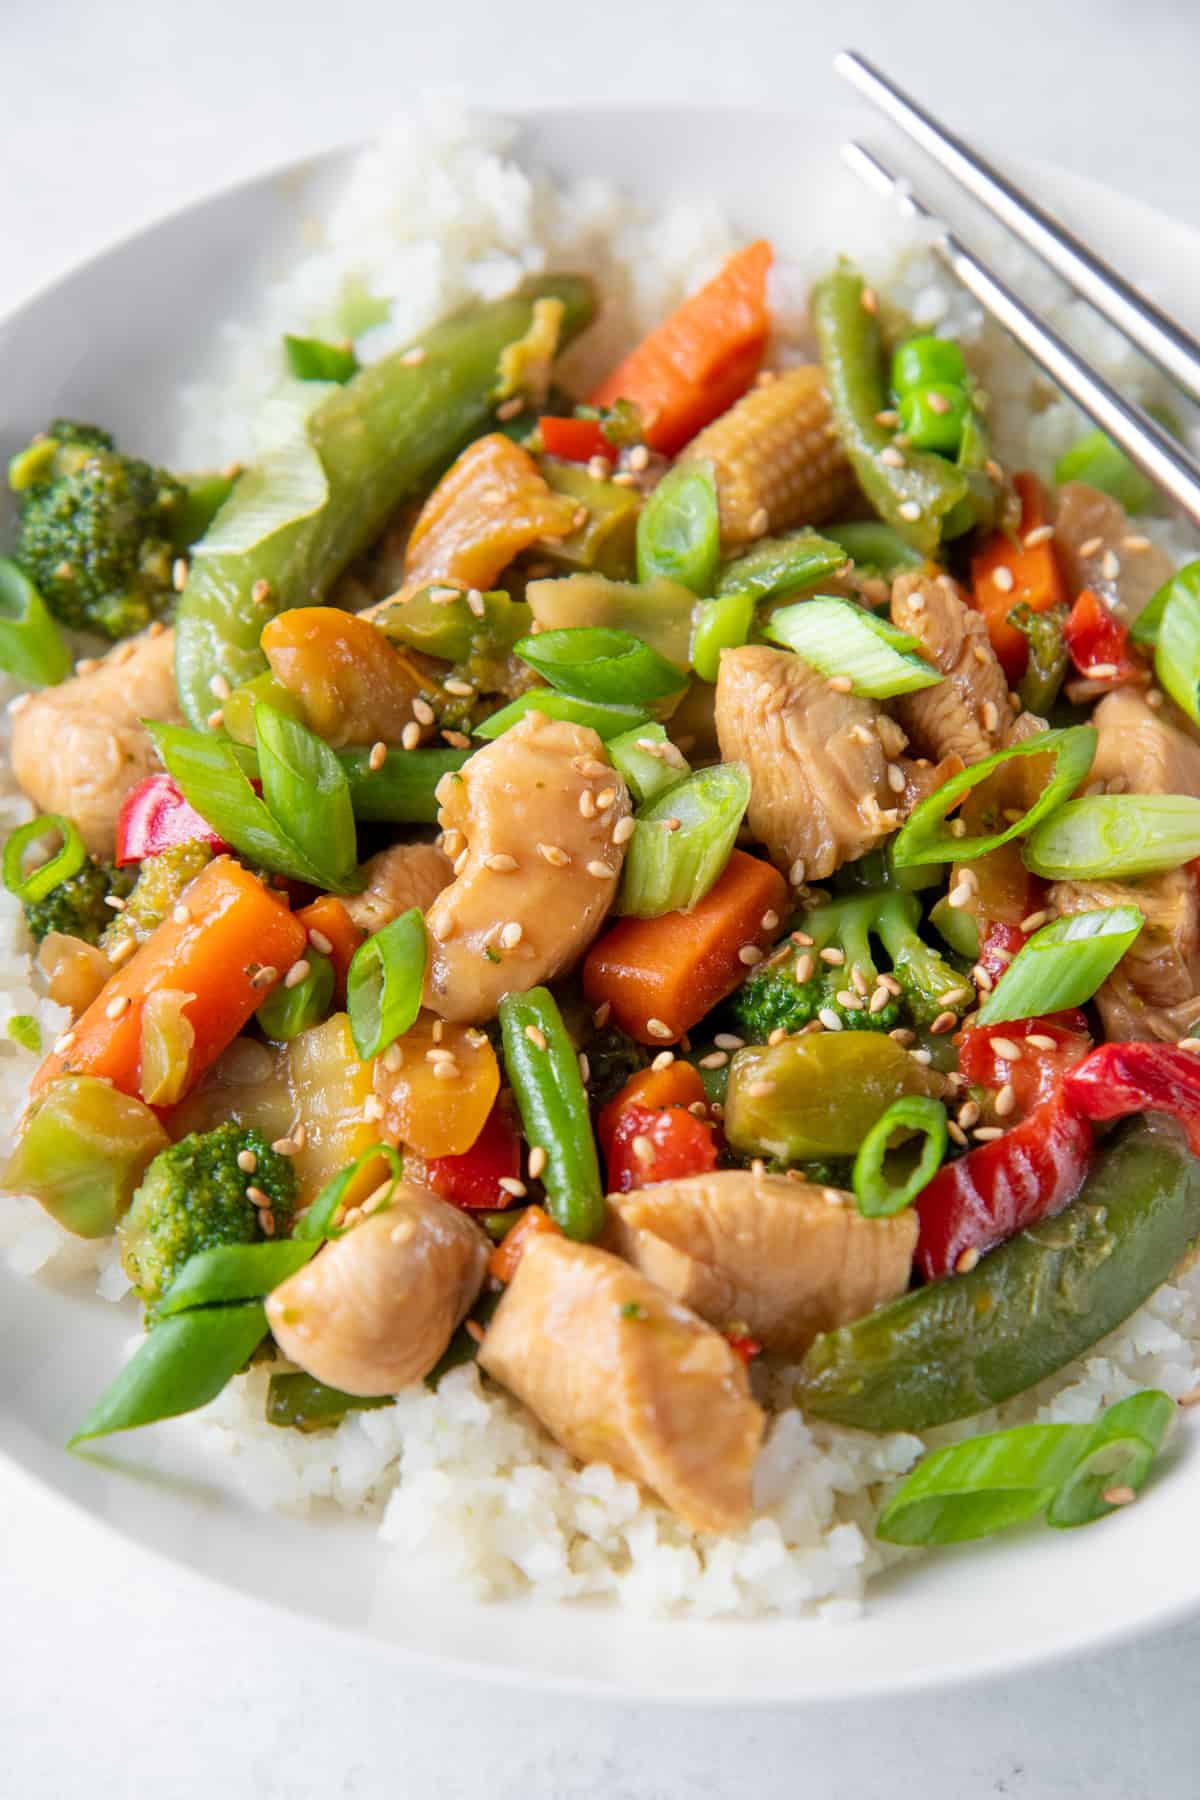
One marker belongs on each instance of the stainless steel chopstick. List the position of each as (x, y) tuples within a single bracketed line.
[(1163, 340), (1143, 440)]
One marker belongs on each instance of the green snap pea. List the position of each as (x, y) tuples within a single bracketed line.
[(932, 418), (926, 361), (183, 1364), (403, 789), (287, 1011), (306, 1404), (543, 1069)]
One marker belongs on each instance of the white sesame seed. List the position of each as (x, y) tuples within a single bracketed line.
[(829, 1019), (462, 689), (500, 862), (758, 522), (833, 956), (895, 778), (600, 871), (749, 954), (887, 417), (758, 1090), (410, 737), (924, 1057), (377, 757), (643, 1149), (1091, 546), (260, 593), (116, 1006), (511, 934), (264, 977), (989, 715), (658, 1029), (945, 1021), (663, 1060), (716, 1059), (988, 1134), (1041, 534), (849, 1000), (297, 973), (219, 688), (803, 968), (840, 684), (728, 1040), (602, 1015), (908, 509), (1006, 1100), (624, 829), (1110, 565), (537, 1161), (1004, 579), (512, 1186), (536, 1036), (64, 1043), (966, 1261), (447, 1071), (587, 804), (554, 854), (1189, 1043), (1006, 1047), (247, 1162), (422, 711), (891, 457)]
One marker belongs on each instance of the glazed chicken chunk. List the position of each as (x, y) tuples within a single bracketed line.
[(78, 748), (782, 1259), (1140, 751), (536, 825), (401, 877), (620, 1373), (820, 761), (967, 714)]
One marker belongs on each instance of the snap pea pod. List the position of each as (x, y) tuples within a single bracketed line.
[(875, 546), (916, 496), (182, 1365), (403, 789), (970, 1341), (777, 566), (540, 1060), (378, 441), (306, 1404)]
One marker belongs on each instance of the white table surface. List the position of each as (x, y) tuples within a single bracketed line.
[(120, 1677)]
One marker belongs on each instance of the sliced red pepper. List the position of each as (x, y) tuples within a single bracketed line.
[(647, 1146), (472, 1180), (743, 1345), (154, 816), (1037, 1071), (1096, 640), (1000, 944), (1003, 1187), (577, 440), (1118, 1079)]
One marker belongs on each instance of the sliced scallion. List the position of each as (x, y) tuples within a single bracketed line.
[(682, 841), (926, 838), (183, 1363), (1122, 1445), (679, 530), (307, 793), (287, 1011), (230, 1272), (311, 359), (841, 639), (597, 662), (1115, 836), (32, 885), (881, 1191), (721, 624), (636, 756), (384, 982), (1177, 648), (775, 567), (875, 547), (31, 646), (1063, 964), (318, 1221), (606, 721)]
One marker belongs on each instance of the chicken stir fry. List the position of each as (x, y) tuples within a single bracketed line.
[(663, 897)]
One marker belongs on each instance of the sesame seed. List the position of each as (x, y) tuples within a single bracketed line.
[(587, 804), (215, 719), (1110, 565), (1004, 579), (536, 1036), (945, 1021), (887, 417), (114, 900), (849, 1000), (1006, 1101), (585, 1067), (260, 593), (1035, 920), (801, 937), (987, 1134), (639, 458), (599, 468), (623, 478), (377, 757), (758, 521), (1041, 534), (512, 1186), (965, 1262), (475, 602), (1091, 546), (1118, 1496), (285, 1146), (297, 973), (968, 1114), (410, 737), (870, 300), (219, 688), (500, 862), (64, 1043), (908, 509), (537, 1161), (120, 952), (895, 778), (657, 1029), (600, 871), (446, 1071), (749, 954), (462, 689), (960, 895), (670, 824), (605, 798), (179, 574), (643, 1149), (247, 1162), (266, 1221), (955, 1132), (833, 956), (265, 976), (891, 457), (511, 934), (958, 828), (1006, 1047), (1189, 1043), (716, 1059), (989, 715), (554, 854), (256, 1194), (509, 409), (803, 968), (373, 1108), (728, 1040), (602, 1015), (624, 829), (413, 357), (1135, 542), (422, 711), (663, 1060), (829, 1019), (758, 1090), (797, 872), (840, 684), (116, 1006), (924, 1057), (460, 862)]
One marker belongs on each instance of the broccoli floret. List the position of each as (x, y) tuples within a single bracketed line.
[(160, 881), (78, 905), (796, 985), (97, 530), (194, 1197)]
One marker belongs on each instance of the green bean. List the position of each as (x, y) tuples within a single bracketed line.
[(293, 524), (541, 1064), (183, 1363), (679, 532)]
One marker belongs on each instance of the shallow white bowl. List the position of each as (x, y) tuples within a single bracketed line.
[(112, 341)]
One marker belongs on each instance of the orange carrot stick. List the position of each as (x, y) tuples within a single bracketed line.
[(502, 1263), (672, 970), (1004, 575), (328, 923)]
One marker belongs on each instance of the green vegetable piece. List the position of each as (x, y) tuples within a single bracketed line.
[(83, 1153), (287, 1011), (958, 927), (827, 1091), (404, 790), (1030, 1307), (205, 495), (306, 791), (32, 465), (852, 351), (1049, 659), (183, 1364), (1177, 648), (237, 713), (233, 1272), (658, 613), (679, 532), (924, 837), (648, 762), (776, 567), (305, 512), (839, 638), (1122, 1445), (161, 880), (542, 1067), (927, 361), (1185, 584), (318, 1220), (1115, 837), (721, 624), (597, 663), (449, 628), (31, 646), (1098, 461), (306, 1404), (876, 547), (33, 884), (932, 418), (879, 1194), (1063, 964), (606, 721), (384, 983), (606, 543), (682, 840), (24, 1030), (311, 359)]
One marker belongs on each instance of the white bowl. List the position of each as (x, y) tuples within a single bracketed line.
[(112, 341)]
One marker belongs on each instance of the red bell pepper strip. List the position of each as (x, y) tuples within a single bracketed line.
[(1002, 1187), (472, 1180), (576, 440), (1063, 1041), (1098, 644), (154, 816), (1118, 1079), (651, 1112)]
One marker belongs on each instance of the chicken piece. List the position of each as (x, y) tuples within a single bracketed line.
[(375, 1309), (1141, 751), (404, 875), (532, 823), (1152, 991), (1090, 531), (818, 759), (620, 1373), (782, 1259), (78, 748), (968, 713)]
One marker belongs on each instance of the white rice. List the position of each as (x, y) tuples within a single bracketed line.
[(462, 1481)]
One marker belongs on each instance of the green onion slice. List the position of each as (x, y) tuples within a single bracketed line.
[(306, 791), (682, 841), (606, 721), (597, 662), (679, 530), (31, 646), (841, 639), (1145, 627), (925, 837), (24, 1030), (233, 1272), (1063, 964), (1005, 1478), (31, 885), (882, 1192), (384, 983), (311, 359), (778, 566), (317, 1221), (287, 1011), (1112, 836), (1177, 650), (184, 1363), (721, 624), (637, 757), (1098, 461)]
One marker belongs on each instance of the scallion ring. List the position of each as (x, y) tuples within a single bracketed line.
[(1115, 836), (31, 646), (682, 841), (721, 624), (606, 721), (597, 662), (880, 1195), (925, 837), (679, 530), (384, 983), (648, 766), (33, 885), (1063, 964), (840, 639)]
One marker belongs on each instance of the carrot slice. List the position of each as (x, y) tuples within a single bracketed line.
[(502, 1263), (701, 359), (1005, 574), (219, 955), (670, 971), (326, 920)]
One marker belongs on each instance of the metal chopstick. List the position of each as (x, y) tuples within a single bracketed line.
[(1143, 440), (1161, 338)]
